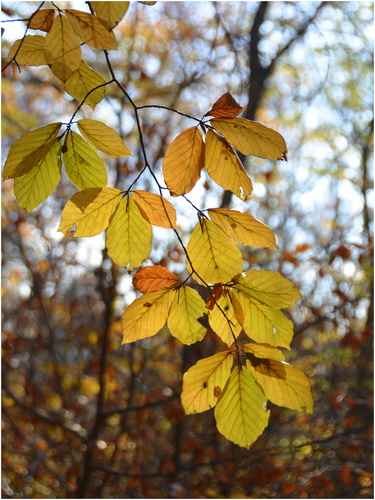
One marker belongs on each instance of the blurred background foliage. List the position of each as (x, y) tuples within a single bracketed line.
[(84, 416)]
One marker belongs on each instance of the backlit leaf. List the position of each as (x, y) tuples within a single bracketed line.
[(199, 382), (27, 151), (35, 186), (186, 309), (146, 316), (152, 278), (31, 52), (83, 165), (215, 257), (90, 210), (156, 209), (104, 138), (264, 351), (110, 12), (225, 168), (62, 48), (183, 161), (129, 235), (241, 414), (268, 287), (252, 138), (42, 20), (243, 228), (225, 107), (283, 384), (82, 83), (263, 323), (91, 30), (226, 327)]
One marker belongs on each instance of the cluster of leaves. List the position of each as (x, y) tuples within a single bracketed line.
[(237, 301)]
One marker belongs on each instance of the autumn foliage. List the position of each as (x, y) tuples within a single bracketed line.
[(217, 294)]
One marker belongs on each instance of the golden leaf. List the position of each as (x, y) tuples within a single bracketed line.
[(156, 209)]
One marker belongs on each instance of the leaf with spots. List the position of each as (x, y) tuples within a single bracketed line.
[(241, 412), (200, 382), (147, 315)]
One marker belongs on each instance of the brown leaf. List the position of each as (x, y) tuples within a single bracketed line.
[(216, 294), (42, 20), (153, 278), (225, 107)]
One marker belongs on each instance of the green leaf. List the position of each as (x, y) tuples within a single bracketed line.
[(243, 228), (35, 186), (27, 151), (147, 315), (263, 323), (267, 287), (203, 383), (31, 52), (252, 138), (83, 82), (83, 165), (283, 384), (62, 48), (225, 168), (104, 138), (241, 413), (90, 211), (226, 327), (129, 235), (215, 257), (183, 320), (91, 30)]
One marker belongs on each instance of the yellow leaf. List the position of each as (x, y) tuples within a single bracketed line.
[(199, 382), (183, 161), (241, 413), (263, 323), (152, 278), (268, 287), (27, 151), (252, 138), (35, 186), (156, 209), (83, 165), (225, 107), (146, 316), (104, 138), (31, 52), (243, 228), (91, 30), (283, 384), (62, 48), (226, 327), (129, 235), (215, 257), (42, 20), (110, 12), (225, 168), (82, 83), (264, 351), (90, 211), (183, 321)]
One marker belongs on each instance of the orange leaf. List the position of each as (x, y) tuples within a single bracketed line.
[(216, 294), (153, 278), (225, 107), (42, 20), (302, 247)]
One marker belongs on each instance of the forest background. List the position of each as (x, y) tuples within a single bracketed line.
[(302, 68)]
